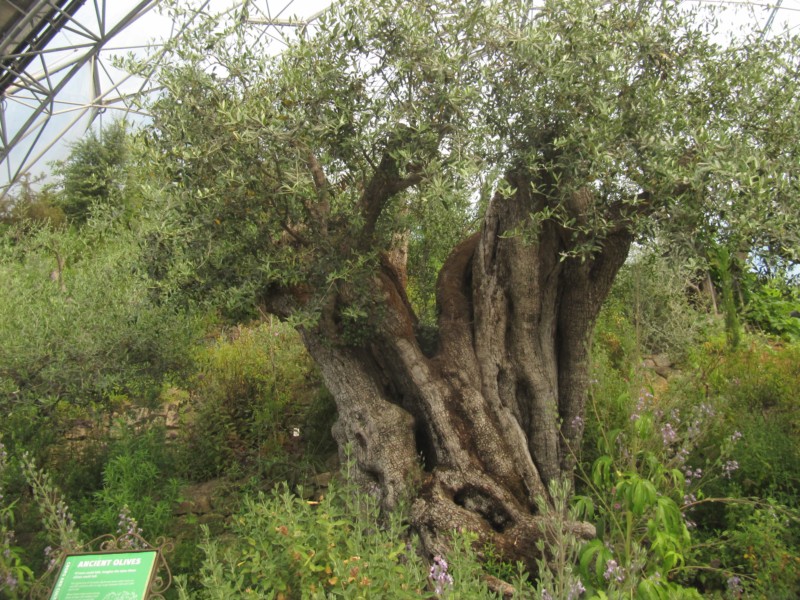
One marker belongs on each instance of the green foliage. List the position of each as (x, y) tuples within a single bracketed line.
[(558, 574), (26, 205), (87, 332), (385, 126), (724, 265), (705, 456), (640, 491), (758, 383), (762, 542), (59, 524), (287, 547), (291, 548), (773, 306), (15, 576), (138, 477), (257, 394), (95, 172), (649, 306)]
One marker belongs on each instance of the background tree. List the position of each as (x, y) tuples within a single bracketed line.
[(561, 133), (30, 204), (95, 172)]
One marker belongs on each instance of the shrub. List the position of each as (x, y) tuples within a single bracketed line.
[(94, 332), (257, 397), (757, 386), (651, 298), (137, 479), (287, 547)]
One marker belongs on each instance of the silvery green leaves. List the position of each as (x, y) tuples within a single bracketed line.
[(613, 115)]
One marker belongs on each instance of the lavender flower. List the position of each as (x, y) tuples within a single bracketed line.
[(736, 436), (692, 474), (707, 410), (668, 434), (729, 467), (128, 530), (613, 570), (438, 574), (735, 585), (575, 590)]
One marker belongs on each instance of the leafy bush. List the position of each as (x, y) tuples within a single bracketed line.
[(771, 306), (256, 392), (758, 547), (650, 304), (92, 332), (682, 481), (95, 172), (15, 575), (637, 490), (757, 386), (138, 479), (287, 547), (100, 333)]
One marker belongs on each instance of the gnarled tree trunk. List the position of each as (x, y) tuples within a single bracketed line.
[(477, 429)]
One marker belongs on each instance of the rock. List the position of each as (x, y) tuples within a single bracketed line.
[(323, 480), (660, 363), (199, 498)]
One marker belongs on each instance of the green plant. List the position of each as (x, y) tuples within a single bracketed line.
[(641, 490), (771, 305), (15, 576), (339, 546), (762, 545), (258, 398), (79, 324), (757, 390), (649, 307), (95, 172), (292, 548), (133, 482), (59, 524), (558, 575)]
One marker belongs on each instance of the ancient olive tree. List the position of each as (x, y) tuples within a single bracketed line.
[(546, 139)]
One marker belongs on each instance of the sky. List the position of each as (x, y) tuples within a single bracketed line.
[(150, 29)]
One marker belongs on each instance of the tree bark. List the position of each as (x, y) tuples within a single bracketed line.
[(474, 433)]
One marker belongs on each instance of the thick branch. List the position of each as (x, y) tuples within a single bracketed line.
[(320, 211), (386, 182)]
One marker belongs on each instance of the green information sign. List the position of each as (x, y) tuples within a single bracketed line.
[(105, 576)]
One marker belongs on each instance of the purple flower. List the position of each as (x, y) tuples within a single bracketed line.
[(736, 436), (613, 570), (575, 590), (735, 585), (438, 574), (707, 409), (729, 467), (128, 530), (696, 474), (11, 581), (668, 434)]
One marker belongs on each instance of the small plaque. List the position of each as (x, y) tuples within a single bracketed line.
[(106, 576)]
